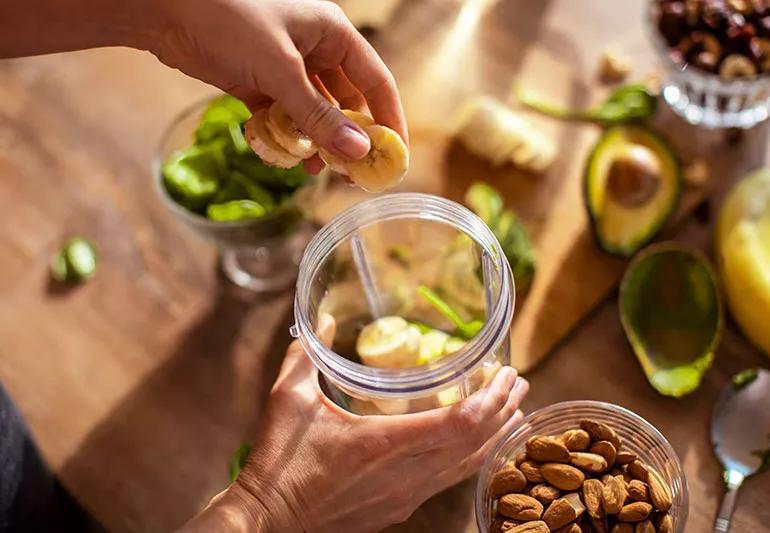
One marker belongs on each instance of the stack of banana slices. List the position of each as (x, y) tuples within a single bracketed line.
[(278, 141), (494, 132)]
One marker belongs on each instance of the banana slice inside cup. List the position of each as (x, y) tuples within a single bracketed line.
[(389, 342)]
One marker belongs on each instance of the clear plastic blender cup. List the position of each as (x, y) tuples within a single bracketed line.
[(378, 259)]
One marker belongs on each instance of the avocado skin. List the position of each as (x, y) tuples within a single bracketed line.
[(660, 143)]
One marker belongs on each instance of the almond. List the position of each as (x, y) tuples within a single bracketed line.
[(590, 462), (508, 480), (497, 525), (635, 512), (638, 470), (576, 440), (637, 490), (600, 431), (547, 450), (520, 507), (531, 471), (561, 476), (560, 513), (570, 528), (544, 493), (622, 527), (614, 495), (509, 525), (645, 527), (606, 450), (520, 458), (592, 497), (599, 525), (538, 526), (624, 457), (660, 492), (666, 524)]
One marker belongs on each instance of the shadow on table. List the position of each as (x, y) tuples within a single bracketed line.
[(172, 436)]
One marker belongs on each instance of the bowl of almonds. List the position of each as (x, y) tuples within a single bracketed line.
[(582, 467)]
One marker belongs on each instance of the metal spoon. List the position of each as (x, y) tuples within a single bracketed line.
[(740, 433)]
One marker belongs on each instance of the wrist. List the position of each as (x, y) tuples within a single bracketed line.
[(264, 506)]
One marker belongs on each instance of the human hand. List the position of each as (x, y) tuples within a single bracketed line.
[(292, 51), (314, 467)]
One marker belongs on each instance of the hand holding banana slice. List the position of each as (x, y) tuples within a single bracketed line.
[(278, 142)]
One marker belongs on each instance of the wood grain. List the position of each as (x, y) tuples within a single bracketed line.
[(139, 384)]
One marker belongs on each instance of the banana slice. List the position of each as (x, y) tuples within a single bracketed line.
[(264, 145), (492, 131), (287, 134), (339, 164), (389, 342), (432, 346), (386, 163)]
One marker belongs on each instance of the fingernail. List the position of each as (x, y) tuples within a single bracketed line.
[(351, 142), (521, 384)]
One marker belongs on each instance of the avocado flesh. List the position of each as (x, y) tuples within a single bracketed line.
[(672, 316), (625, 217)]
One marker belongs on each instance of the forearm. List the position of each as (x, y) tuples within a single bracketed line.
[(32, 27)]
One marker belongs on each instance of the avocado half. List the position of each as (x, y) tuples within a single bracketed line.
[(671, 312), (632, 184)]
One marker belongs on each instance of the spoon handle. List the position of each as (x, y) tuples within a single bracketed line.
[(722, 523)]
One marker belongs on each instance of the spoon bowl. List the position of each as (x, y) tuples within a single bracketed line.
[(740, 434)]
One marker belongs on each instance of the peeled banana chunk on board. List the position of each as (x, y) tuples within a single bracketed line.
[(278, 141), (492, 131)]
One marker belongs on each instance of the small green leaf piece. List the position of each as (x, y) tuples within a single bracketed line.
[(238, 460), (235, 210), (75, 261), (744, 377)]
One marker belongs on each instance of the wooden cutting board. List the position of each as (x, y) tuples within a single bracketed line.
[(481, 47)]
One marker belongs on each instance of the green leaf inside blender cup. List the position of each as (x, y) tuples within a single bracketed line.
[(466, 330), (192, 176), (218, 116), (235, 210), (672, 316), (254, 191), (273, 178)]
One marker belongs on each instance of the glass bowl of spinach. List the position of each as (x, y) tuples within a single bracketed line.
[(212, 181)]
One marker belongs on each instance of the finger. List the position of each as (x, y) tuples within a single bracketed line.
[(254, 101), (431, 429), (321, 88), (366, 70), (343, 91), (473, 463), (314, 114), (452, 452), (314, 165)]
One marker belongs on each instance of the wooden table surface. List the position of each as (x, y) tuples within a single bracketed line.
[(139, 384)]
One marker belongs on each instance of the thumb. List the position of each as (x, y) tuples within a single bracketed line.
[(318, 118)]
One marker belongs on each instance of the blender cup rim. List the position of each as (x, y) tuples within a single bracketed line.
[(415, 380)]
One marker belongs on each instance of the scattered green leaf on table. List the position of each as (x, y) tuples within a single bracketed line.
[(75, 261)]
